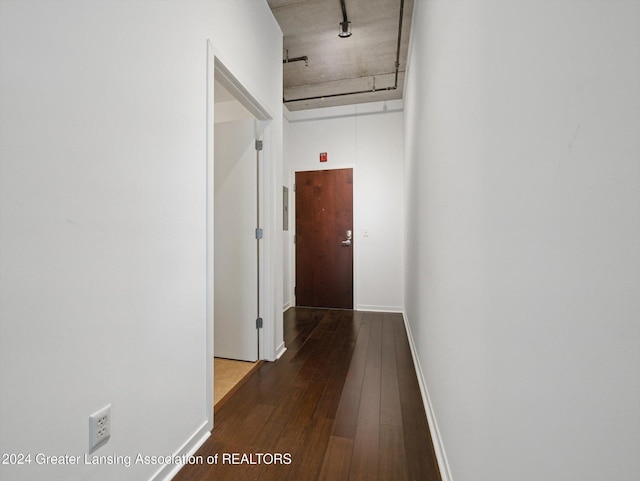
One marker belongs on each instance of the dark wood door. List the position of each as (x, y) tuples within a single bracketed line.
[(324, 262)]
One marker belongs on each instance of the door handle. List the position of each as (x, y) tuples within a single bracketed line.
[(347, 241)]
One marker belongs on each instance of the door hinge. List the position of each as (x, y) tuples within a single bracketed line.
[(259, 233), (259, 323), (258, 144), (294, 186)]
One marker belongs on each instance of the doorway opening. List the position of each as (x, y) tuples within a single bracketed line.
[(236, 219), (235, 211), (236, 249)]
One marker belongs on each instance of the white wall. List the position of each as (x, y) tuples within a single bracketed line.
[(522, 259), (103, 222), (367, 137)]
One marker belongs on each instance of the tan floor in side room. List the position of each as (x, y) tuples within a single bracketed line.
[(226, 374)]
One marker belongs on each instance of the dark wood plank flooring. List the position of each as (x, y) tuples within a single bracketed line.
[(343, 402)]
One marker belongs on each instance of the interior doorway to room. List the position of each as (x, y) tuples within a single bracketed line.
[(324, 238), (236, 121), (236, 217), (236, 270), (236, 267)]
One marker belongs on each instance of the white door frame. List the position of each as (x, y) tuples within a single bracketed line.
[(217, 70)]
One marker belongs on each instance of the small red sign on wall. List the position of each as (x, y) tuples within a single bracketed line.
[(323, 156)]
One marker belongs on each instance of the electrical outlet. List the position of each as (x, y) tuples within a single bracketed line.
[(99, 428)]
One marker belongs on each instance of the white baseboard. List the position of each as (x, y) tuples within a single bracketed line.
[(280, 350), (168, 471), (366, 307), (443, 464), (286, 306)]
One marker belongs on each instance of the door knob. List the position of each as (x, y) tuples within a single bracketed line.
[(347, 241)]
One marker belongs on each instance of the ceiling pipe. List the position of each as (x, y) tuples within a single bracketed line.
[(344, 11), (304, 59), (374, 89), (395, 85)]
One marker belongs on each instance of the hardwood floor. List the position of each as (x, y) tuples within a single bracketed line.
[(342, 403)]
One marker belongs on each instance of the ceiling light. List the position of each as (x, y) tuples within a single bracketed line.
[(345, 29), (345, 25)]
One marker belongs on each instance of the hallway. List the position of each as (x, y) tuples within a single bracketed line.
[(343, 401)]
